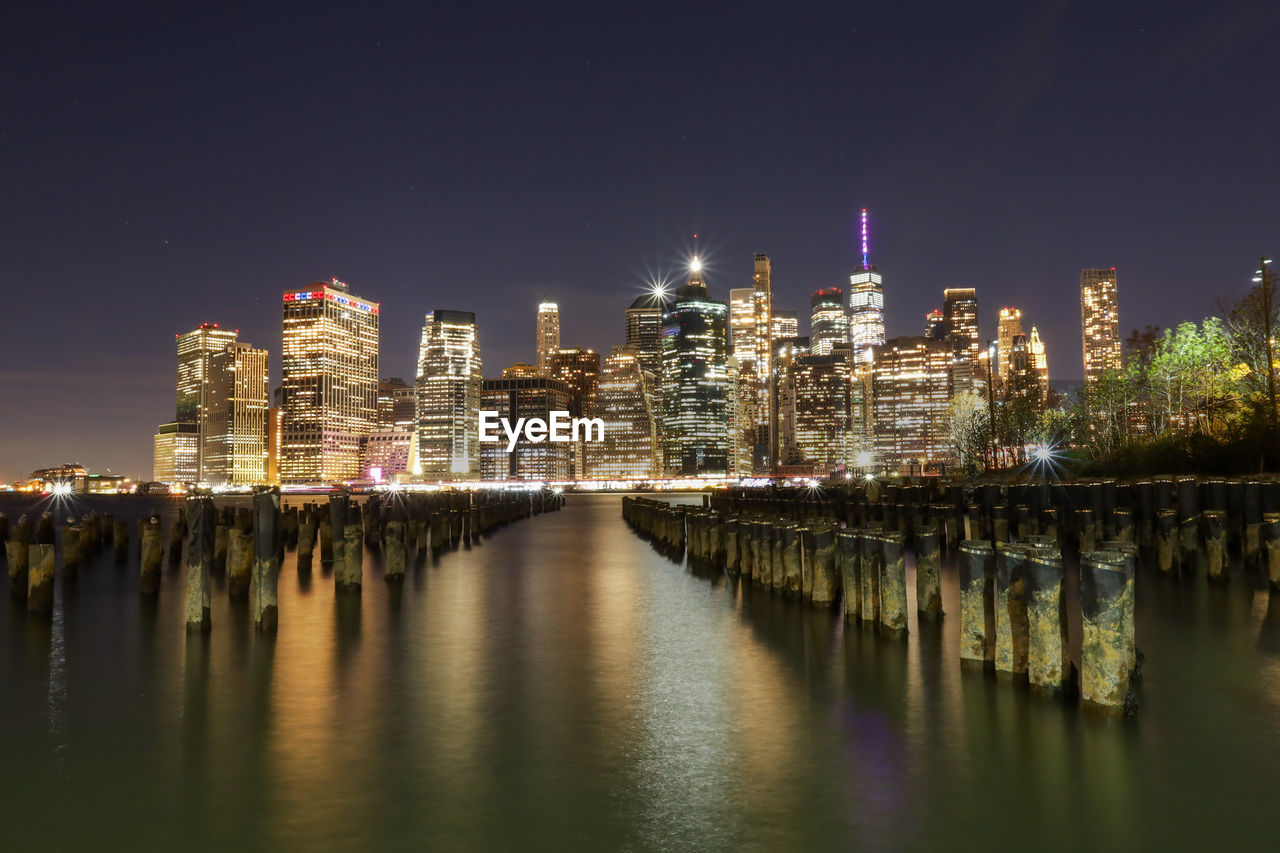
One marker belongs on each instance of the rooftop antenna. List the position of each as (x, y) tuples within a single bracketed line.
[(865, 253)]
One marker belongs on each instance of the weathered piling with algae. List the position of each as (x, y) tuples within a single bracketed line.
[(177, 532), (928, 577), (306, 542), (349, 575), (120, 540), (790, 540), (339, 511), (1166, 538), (826, 577), (239, 563), (17, 552), (1010, 607), (70, 551), (1214, 548), (395, 551), (221, 541), (1104, 671), (40, 570), (732, 547), (1086, 530), (200, 512), (151, 556), (850, 572), (977, 619), (893, 585), (266, 559), (1269, 535), (870, 557), (1048, 666)]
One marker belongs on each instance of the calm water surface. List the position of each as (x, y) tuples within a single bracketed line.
[(563, 686)]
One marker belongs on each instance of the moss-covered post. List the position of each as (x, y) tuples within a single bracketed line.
[(928, 578), (395, 551), (1011, 610), (1166, 536), (1214, 550), (266, 559), (1049, 522), (977, 618), (791, 580), (850, 572), (339, 511), (1086, 530), (872, 557), (120, 540), (17, 552), (349, 575), (200, 512), (40, 570), (826, 575), (306, 542), (1048, 666), (893, 585), (1104, 676), (151, 557), (779, 564), (239, 563), (1123, 524), (1269, 536)]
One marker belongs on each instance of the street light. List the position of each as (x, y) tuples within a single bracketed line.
[(1262, 279), (990, 356)]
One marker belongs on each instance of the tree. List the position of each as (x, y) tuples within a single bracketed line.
[(969, 426), (1247, 325)]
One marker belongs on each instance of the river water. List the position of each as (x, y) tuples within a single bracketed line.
[(563, 686)]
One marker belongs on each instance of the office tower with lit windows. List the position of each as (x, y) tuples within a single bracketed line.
[(579, 370), (911, 390), (787, 456), (1010, 325), (548, 334), (866, 304), (273, 444), (448, 396), (828, 323), (695, 420), (783, 324), (329, 369), (742, 322), (934, 326), (176, 453), (235, 435), (824, 404), (525, 397), (630, 449), (644, 329), (1039, 360), (396, 408), (195, 348), (1099, 321), (960, 315)]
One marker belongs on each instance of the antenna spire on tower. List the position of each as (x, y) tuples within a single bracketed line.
[(865, 253)]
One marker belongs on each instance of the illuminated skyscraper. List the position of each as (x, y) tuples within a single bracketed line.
[(448, 396), (329, 367), (1099, 321), (911, 390), (787, 456), (396, 408), (1010, 324), (866, 304), (525, 397), (1039, 359), (195, 348), (824, 408), (548, 334), (785, 324), (630, 450), (579, 370), (828, 324), (935, 326), (644, 329), (696, 421), (235, 438), (176, 453), (762, 284), (960, 315)]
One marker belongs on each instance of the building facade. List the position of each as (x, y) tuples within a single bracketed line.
[(176, 448), (548, 334), (960, 316), (525, 397), (828, 323), (448, 396), (1039, 360), (696, 422), (1099, 321), (396, 405), (235, 434), (195, 348), (911, 390), (1008, 326), (824, 407), (624, 401), (329, 369)]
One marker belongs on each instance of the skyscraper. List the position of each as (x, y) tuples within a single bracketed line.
[(630, 449), (911, 390), (396, 408), (644, 329), (1099, 321), (329, 367), (235, 437), (548, 334), (695, 382), (784, 324), (1010, 325), (935, 326), (1039, 359), (828, 324), (195, 348), (525, 397), (176, 453), (579, 370), (960, 314), (824, 408), (866, 304), (448, 395), (762, 285)]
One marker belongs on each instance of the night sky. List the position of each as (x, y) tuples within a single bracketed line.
[(164, 166)]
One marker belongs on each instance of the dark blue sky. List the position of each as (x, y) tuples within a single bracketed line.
[(164, 166)]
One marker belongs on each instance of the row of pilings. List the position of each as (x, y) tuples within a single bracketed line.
[(848, 550), (248, 543)]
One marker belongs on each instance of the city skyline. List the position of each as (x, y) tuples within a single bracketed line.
[(206, 215)]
